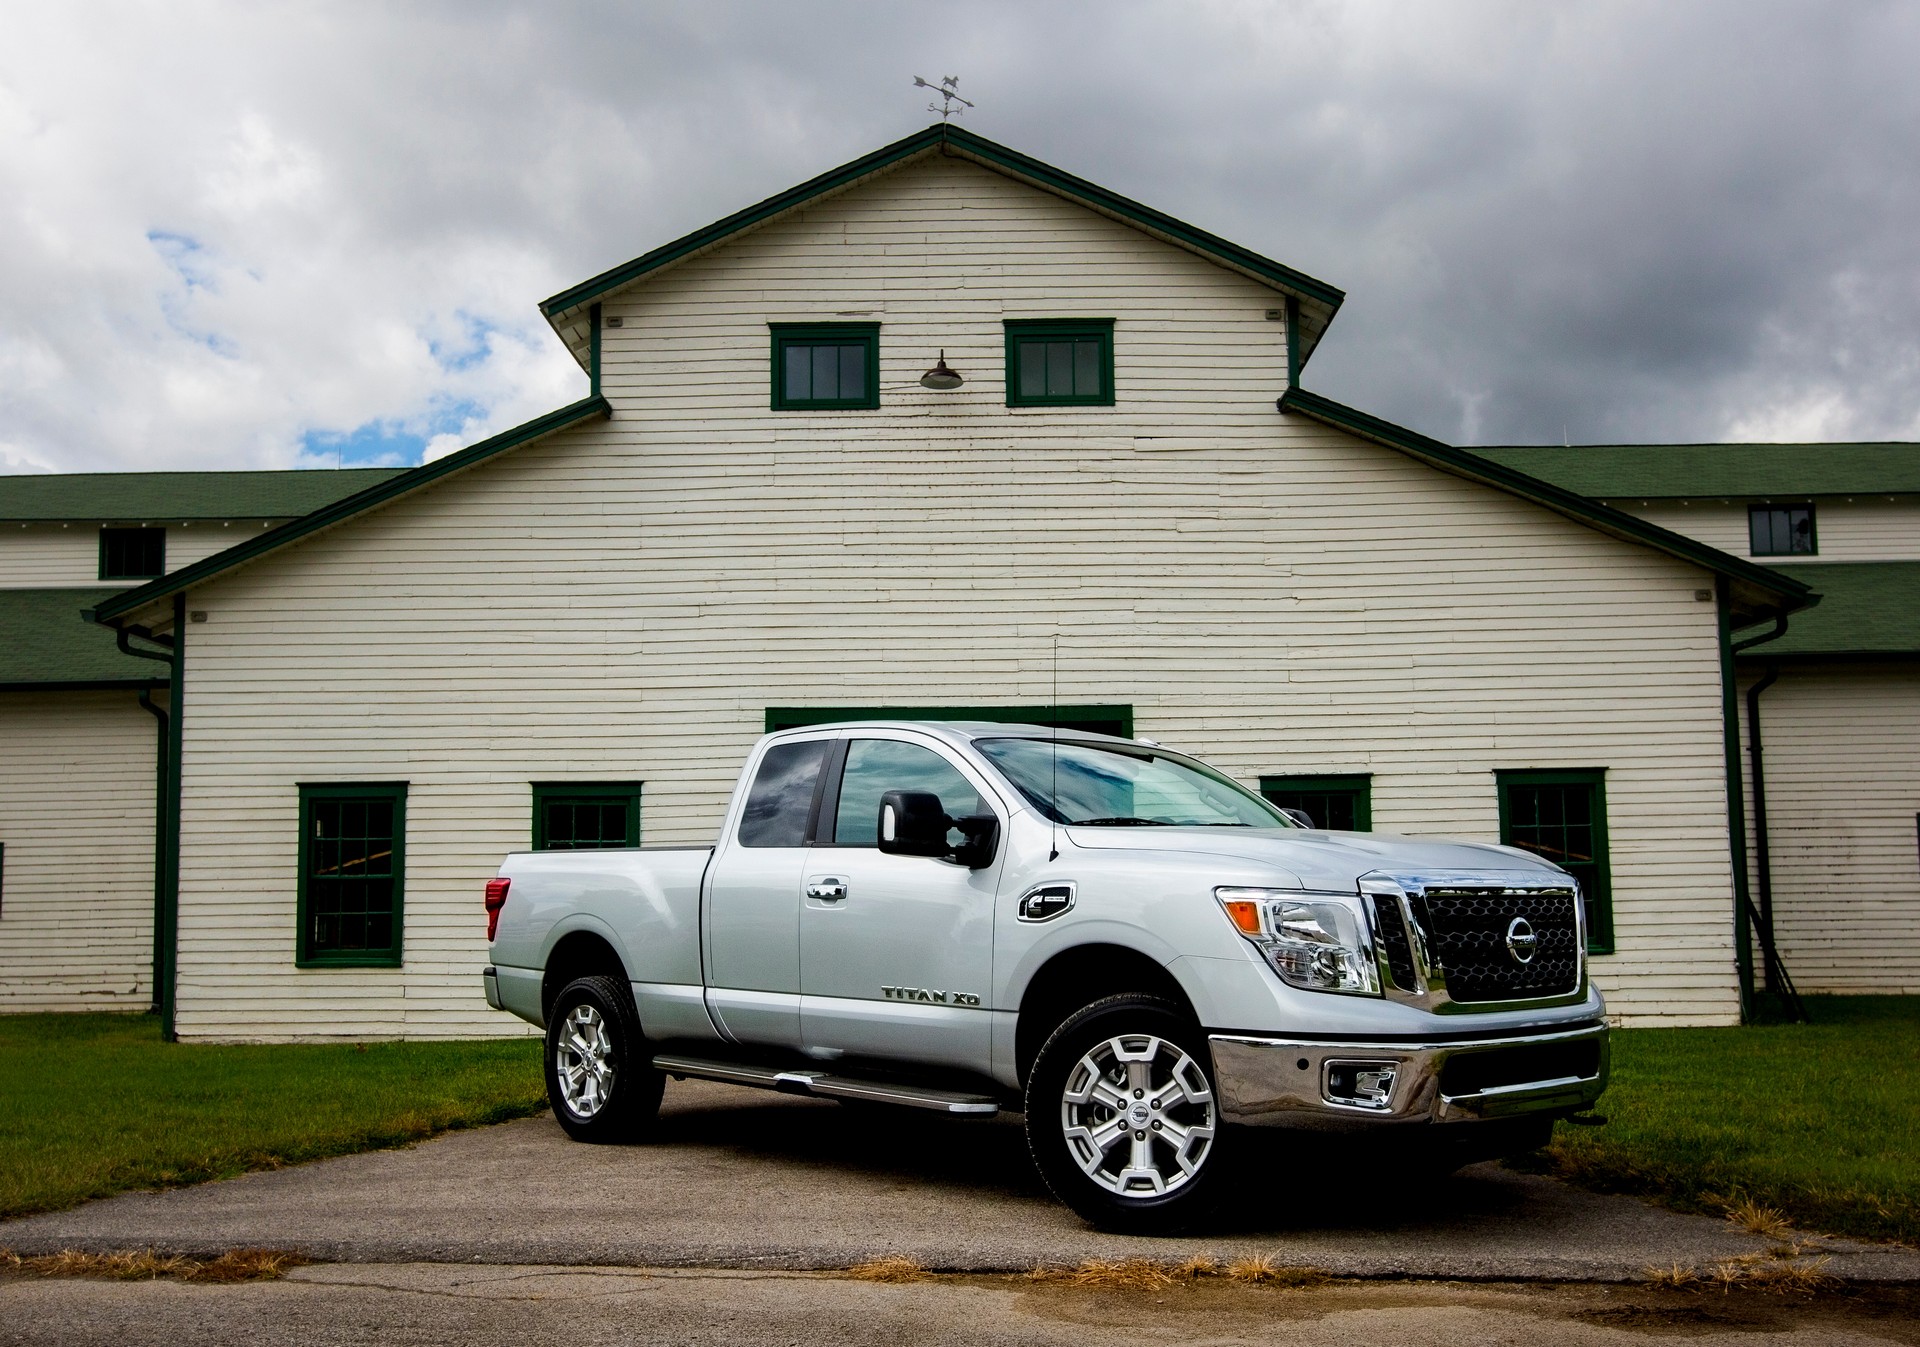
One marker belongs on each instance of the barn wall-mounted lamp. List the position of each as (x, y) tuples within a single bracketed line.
[(941, 377)]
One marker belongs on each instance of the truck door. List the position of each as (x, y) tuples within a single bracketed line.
[(752, 908), (896, 952)]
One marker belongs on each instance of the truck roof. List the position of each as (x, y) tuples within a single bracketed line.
[(965, 731)]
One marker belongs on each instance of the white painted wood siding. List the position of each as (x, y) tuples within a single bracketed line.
[(76, 815), (1856, 528), (623, 601), (61, 556), (1842, 754)]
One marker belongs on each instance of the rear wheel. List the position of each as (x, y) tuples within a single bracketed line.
[(599, 1081), (1123, 1118)]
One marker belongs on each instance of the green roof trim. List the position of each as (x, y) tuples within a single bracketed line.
[(1763, 591), (45, 644), (158, 497), (342, 510), (956, 140), (1867, 609), (1721, 471)]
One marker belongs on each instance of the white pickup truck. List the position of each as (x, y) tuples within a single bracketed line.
[(1147, 960)]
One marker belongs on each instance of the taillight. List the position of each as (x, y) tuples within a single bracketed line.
[(496, 899)]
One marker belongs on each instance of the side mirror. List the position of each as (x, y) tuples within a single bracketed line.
[(913, 823), (1299, 816)]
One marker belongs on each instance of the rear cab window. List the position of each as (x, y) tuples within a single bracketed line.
[(780, 803)]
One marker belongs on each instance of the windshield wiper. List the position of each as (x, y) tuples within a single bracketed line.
[(1128, 822)]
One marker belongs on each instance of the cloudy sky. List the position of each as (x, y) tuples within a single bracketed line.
[(266, 234)]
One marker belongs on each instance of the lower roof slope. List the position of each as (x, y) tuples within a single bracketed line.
[(1867, 609), (45, 644), (1675, 471), (154, 497)]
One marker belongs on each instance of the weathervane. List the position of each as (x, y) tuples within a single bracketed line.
[(949, 90)]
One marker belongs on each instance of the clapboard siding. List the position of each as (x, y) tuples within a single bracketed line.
[(1846, 528), (1843, 806), (53, 556), (76, 815), (624, 600)]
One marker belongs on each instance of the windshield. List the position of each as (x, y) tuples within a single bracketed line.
[(1101, 786)]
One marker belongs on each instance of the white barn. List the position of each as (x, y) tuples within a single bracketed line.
[(572, 632)]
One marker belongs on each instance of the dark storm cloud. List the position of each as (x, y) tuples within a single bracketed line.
[(241, 234)]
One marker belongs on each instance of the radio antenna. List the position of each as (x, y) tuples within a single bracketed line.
[(1053, 805)]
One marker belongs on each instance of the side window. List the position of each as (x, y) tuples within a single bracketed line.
[(876, 766), (1341, 803), (1065, 362), (132, 554), (1562, 815), (585, 815), (825, 366), (352, 875), (782, 795), (1781, 531)]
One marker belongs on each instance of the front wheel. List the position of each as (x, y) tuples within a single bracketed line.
[(1123, 1118), (599, 1081)]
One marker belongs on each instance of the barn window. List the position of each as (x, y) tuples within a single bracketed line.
[(1060, 362), (1781, 531), (1343, 803), (132, 554), (352, 875), (585, 815), (1562, 815), (825, 366)]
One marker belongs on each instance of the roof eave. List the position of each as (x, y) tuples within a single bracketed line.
[(135, 601), (1759, 594), (1318, 300)]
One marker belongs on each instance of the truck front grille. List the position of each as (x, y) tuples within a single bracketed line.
[(1467, 934), (1392, 931), (1521, 1064)]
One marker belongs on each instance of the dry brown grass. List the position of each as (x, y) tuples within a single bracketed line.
[(1142, 1274), (1673, 1278), (1751, 1271), (235, 1265), (891, 1268), (1757, 1219), (1260, 1270)]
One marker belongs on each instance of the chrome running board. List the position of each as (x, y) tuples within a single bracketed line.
[(823, 1084)]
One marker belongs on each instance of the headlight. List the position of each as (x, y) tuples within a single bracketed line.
[(1312, 942)]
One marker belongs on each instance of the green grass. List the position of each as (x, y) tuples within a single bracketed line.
[(97, 1104), (1821, 1120)]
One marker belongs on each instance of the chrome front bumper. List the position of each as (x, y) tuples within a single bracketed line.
[(1281, 1082)]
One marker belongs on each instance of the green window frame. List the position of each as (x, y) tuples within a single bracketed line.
[(1048, 355), (585, 815), (1116, 720), (353, 844), (1342, 801), (1561, 814), (1782, 531), (132, 553), (826, 357)]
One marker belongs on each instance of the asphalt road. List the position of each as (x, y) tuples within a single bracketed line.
[(750, 1180), (584, 1307)]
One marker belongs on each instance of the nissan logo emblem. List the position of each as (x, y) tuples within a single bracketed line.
[(1521, 940)]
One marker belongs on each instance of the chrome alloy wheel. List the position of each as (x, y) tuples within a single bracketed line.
[(1138, 1115), (583, 1061)]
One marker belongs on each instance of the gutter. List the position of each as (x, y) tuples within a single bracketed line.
[(166, 813)]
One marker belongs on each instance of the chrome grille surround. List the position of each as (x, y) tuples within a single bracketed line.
[(1452, 926)]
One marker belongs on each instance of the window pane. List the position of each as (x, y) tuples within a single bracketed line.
[(826, 372), (876, 766), (1801, 524), (1059, 369), (1334, 809), (575, 823), (1759, 533), (853, 371), (1086, 369), (782, 795), (350, 876), (1033, 369), (1779, 541), (799, 373)]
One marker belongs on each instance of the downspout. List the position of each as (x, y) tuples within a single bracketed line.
[(162, 847), (176, 726), (593, 350), (1736, 801), (1762, 851), (1293, 342)]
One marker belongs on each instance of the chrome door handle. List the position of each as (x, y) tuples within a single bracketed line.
[(827, 890)]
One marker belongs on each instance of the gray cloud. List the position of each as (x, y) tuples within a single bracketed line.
[(238, 234)]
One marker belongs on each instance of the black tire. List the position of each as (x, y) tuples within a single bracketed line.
[(611, 1092), (1072, 1142)]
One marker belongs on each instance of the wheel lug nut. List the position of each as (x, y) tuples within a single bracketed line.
[(1156, 1124), (1139, 1136), (1137, 1094)]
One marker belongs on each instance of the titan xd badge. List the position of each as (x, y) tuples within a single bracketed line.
[(930, 994)]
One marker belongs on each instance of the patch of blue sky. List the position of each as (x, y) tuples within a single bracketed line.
[(389, 442), (468, 348), (189, 259)]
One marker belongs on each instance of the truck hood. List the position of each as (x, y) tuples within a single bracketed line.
[(1319, 859)]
